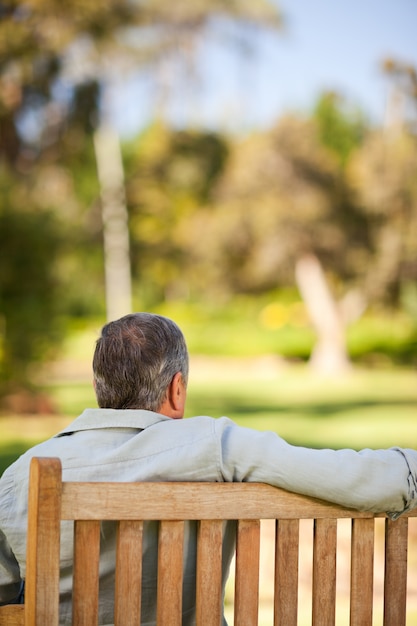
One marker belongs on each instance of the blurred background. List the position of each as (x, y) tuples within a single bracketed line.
[(246, 168)]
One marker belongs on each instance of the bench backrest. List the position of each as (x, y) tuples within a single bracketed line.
[(51, 500)]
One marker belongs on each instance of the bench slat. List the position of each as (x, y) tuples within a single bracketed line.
[(170, 569), (209, 573), (395, 585), (128, 582), (286, 572), (324, 572), (86, 573), (247, 572), (362, 572)]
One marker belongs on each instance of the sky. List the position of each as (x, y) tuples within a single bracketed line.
[(325, 45)]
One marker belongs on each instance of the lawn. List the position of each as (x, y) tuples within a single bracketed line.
[(365, 408)]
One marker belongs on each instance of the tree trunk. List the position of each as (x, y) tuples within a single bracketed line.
[(115, 223), (329, 355)]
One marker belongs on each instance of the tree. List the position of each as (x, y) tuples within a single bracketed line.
[(55, 62), (170, 176), (340, 129), (402, 101), (283, 210), (49, 52), (281, 196), (384, 176), (29, 291)]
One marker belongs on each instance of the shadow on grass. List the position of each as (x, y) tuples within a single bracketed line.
[(234, 405)]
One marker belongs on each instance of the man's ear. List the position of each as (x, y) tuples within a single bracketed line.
[(174, 403), (179, 391)]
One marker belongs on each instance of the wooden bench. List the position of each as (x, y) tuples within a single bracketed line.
[(51, 500)]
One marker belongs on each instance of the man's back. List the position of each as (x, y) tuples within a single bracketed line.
[(122, 446)]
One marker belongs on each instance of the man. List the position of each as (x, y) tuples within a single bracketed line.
[(140, 370)]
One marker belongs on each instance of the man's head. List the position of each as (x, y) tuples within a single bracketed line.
[(137, 360)]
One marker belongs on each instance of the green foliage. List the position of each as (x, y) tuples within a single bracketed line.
[(45, 247), (29, 291), (340, 130), (170, 175), (38, 39), (281, 195), (383, 177), (277, 324), (387, 338)]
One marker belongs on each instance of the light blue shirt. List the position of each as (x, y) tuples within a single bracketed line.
[(137, 445)]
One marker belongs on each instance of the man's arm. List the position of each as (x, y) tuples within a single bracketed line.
[(371, 480), (10, 582), (10, 519)]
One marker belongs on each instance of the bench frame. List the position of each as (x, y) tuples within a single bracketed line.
[(51, 500)]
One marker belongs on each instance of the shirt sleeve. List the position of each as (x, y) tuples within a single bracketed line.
[(9, 572), (369, 480), (10, 579)]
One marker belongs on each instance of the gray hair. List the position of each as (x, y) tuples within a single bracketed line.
[(135, 360)]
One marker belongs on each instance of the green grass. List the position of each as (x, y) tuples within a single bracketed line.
[(366, 408)]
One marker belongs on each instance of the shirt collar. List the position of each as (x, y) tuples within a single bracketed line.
[(92, 419)]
